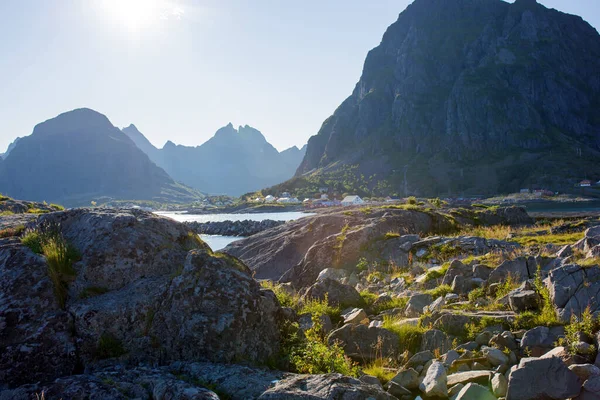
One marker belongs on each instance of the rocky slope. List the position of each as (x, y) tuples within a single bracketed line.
[(124, 304), (232, 162), (468, 96), (133, 290), (297, 251), (80, 156)]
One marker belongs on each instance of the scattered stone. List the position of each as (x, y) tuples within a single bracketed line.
[(585, 371), (337, 294), (419, 359), (370, 380), (450, 357), (408, 378), (574, 288), (539, 340), (434, 339), (434, 383), (473, 391), (499, 385), (494, 356), (416, 304), (435, 306), (484, 338), (397, 390), (329, 386), (523, 300), (482, 377), (542, 378), (356, 316)]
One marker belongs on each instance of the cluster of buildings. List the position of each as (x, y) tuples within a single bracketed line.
[(318, 202)]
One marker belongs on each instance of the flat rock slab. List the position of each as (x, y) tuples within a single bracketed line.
[(482, 377)]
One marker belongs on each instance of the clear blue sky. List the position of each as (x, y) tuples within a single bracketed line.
[(179, 70)]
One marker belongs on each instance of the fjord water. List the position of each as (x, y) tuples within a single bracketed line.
[(218, 242)]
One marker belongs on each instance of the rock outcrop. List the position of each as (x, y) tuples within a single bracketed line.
[(145, 290), (299, 250)]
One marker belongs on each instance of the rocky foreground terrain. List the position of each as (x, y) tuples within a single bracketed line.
[(405, 302)]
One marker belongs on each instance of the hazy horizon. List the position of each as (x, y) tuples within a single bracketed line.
[(180, 70)]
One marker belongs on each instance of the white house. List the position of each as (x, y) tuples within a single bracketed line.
[(352, 201), (269, 199), (287, 200)]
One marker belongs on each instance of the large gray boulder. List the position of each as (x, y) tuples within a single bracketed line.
[(326, 387), (337, 294), (434, 340), (434, 383), (35, 332), (520, 269), (473, 391), (115, 384), (542, 378), (541, 339), (416, 304), (141, 294), (361, 342), (120, 247), (574, 288)]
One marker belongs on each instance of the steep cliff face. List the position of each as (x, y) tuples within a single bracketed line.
[(475, 96), (234, 161), (80, 156)]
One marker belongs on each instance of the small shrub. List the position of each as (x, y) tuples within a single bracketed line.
[(318, 308), (316, 356), (585, 324), (362, 265), (441, 290), (506, 286), (410, 336), (379, 370), (475, 294), (109, 347), (285, 298), (33, 240), (3, 197), (6, 213), (411, 200), (57, 207), (59, 255), (437, 273)]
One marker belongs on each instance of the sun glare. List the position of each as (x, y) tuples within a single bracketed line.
[(139, 15)]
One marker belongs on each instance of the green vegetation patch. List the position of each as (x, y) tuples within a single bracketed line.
[(60, 256), (109, 347), (410, 336)]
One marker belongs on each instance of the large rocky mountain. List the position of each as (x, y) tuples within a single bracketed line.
[(233, 161), (80, 156), (468, 96)]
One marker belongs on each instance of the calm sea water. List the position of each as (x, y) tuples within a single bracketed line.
[(217, 242)]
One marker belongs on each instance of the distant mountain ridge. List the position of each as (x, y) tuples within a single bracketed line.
[(468, 97), (80, 156), (233, 162)]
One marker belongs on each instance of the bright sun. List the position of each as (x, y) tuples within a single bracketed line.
[(139, 15)]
